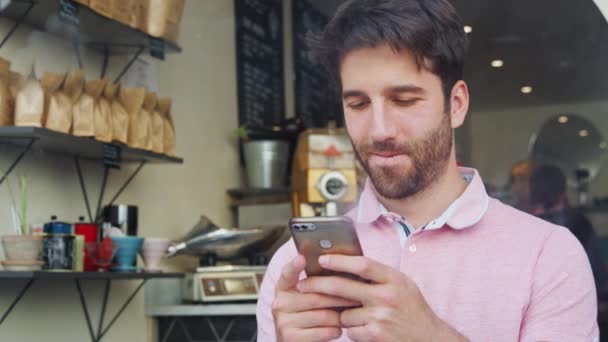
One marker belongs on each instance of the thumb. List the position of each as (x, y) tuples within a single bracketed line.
[(291, 273)]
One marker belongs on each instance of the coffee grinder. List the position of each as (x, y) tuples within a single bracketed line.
[(323, 173)]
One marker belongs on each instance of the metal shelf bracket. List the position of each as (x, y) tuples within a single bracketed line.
[(101, 331)]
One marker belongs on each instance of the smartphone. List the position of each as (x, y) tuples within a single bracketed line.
[(316, 236)]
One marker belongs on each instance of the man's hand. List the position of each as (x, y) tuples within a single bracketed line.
[(393, 306), (304, 316)]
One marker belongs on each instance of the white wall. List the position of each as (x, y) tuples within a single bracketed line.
[(202, 82)]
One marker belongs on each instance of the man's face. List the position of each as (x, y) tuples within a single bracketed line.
[(396, 118)]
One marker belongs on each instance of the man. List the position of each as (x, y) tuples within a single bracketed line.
[(444, 262), (520, 185), (548, 200)]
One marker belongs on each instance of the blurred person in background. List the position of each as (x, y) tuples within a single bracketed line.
[(549, 201), (519, 182)]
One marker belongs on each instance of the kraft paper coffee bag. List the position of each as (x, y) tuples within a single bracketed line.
[(164, 106), (120, 116), (57, 105), (84, 109), (7, 107), (132, 99), (147, 118), (103, 118), (158, 128), (29, 103)]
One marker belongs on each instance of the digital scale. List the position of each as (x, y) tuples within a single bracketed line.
[(223, 284)]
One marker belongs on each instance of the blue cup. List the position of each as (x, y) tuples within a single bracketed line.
[(126, 255)]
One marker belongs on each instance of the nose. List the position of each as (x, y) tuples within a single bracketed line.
[(382, 127)]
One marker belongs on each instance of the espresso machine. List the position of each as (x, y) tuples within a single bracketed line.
[(323, 173)]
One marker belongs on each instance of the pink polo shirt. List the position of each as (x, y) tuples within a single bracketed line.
[(488, 270)]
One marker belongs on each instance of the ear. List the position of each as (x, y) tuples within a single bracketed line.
[(459, 103)]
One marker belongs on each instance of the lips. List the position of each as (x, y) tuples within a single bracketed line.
[(385, 154), (387, 159)]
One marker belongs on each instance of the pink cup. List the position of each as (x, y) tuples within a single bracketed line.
[(152, 251)]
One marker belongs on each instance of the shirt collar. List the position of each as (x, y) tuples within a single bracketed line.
[(465, 211)]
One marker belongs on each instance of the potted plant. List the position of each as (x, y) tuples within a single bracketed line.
[(22, 250)]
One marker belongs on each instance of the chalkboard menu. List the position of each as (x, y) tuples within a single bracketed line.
[(259, 46), (316, 102)]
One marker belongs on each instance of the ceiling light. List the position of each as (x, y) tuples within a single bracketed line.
[(468, 29), (526, 90), (583, 133), (497, 63), (563, 119), (603, 145)]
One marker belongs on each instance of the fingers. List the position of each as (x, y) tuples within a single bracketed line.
[(290, 274), (337, 287), (289, 301), (363, 267), (360, 334), (309, 319), (355, 317), (310, 335)]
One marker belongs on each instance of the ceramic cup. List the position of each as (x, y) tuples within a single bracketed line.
[(153, 250), (126, 256)]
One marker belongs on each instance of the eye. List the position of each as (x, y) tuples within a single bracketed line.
[(406, 102), (357, 105)]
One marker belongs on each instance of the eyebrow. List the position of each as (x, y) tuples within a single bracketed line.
[(352, 93), (406, 88)]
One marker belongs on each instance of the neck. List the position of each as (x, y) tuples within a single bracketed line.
[(433, 200)]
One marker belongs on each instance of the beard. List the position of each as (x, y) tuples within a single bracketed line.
[(428, 158)]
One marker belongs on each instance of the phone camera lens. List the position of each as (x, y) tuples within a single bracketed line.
[(304, 227), (296, 227)]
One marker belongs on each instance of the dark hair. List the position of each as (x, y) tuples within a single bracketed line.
[(430, 29), (547, 186)]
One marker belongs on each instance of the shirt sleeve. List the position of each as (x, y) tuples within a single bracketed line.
[(265, 321), (563, 302)]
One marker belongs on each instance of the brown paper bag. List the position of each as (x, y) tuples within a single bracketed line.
[(84, 109), (29, 103), (7, 107), (132, 99), (103, 118), (14, 83), (74, 85), (120, 116), (161, 18), (57, 105), (147, 117), (60, 110), (164, 106), (103, 7), (5, 66), (124, 11), (157, 133)]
